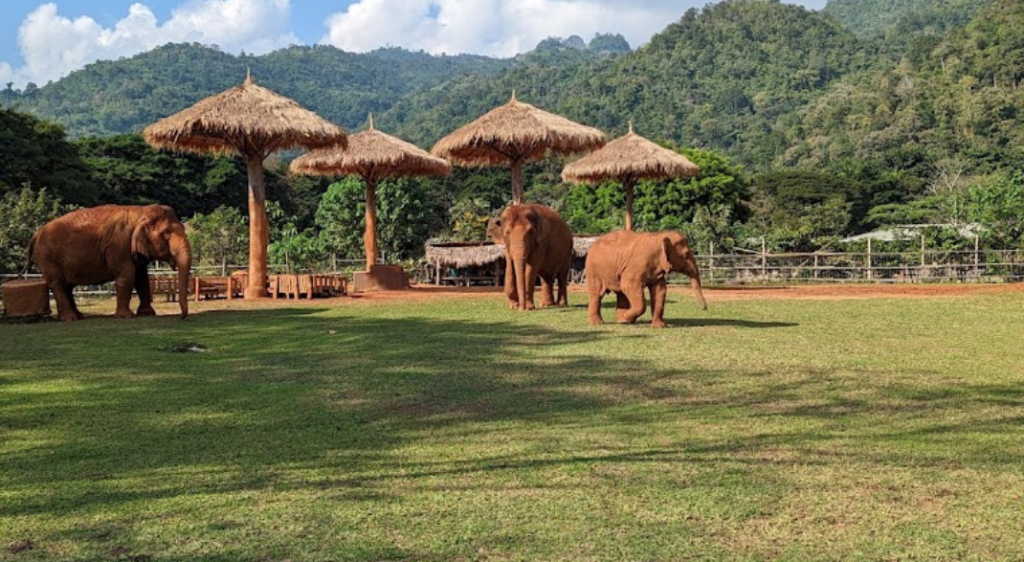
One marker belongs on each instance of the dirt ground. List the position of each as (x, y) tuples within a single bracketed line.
[(578, 295)]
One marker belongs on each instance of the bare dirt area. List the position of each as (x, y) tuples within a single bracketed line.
[(425, 293)]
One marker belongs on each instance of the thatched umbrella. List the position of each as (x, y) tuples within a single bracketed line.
[(252, 121), (515, 134), (373, 156), (629, 159)]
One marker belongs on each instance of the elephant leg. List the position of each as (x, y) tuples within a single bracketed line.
[(563, 287), (123, 288), (659, 291), (143, 290), (621, 307), (547, 291), (596, 292), (510, 284), (66, 309), (637, 303)]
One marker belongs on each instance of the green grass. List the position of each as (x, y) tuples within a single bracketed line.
[(456, 430)]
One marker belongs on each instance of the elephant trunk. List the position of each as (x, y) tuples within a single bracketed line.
[(519, 263), (182, 254)]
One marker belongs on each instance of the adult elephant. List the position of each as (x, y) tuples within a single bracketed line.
[(537, 243), (111, 243), (626, 262)]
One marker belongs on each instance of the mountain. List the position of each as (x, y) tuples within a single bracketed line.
[(732, 76), (897, 18)]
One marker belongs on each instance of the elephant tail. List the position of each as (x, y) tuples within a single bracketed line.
[(28, 257)]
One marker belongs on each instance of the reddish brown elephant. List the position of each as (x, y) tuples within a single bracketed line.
[(537, 243), (111, 243), (626, 262)]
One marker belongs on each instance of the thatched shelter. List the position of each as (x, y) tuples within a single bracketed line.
[(629, 159), (254, 122), (515, 134), (482, 261), (373, 156)]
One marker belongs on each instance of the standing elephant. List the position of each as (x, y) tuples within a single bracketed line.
[(627, 262), (111, 243), (537, 243)]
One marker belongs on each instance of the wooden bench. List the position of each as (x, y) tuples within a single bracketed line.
[(166, 285), (297, 285), (212, 287)]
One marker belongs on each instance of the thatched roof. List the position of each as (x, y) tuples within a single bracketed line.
[(374, 154), (247, 119), (465, 254), (469, 254), (633, 157), (516, 131)]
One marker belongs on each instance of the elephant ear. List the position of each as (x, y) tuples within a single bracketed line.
[(665, 256), (540, 228), (140, 238)]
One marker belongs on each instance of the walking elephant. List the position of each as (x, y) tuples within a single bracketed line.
[(626, 262), (111, 243), (537, 243)]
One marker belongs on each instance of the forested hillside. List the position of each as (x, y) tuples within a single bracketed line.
[(869, 18)]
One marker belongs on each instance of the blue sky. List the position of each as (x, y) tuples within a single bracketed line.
[(42, 41)]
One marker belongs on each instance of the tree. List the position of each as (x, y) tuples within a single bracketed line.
[(999, 207), (219, 238), (21, 214)]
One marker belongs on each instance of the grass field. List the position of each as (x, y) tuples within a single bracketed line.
[(453, 429)]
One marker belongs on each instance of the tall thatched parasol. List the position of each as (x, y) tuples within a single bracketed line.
[(629, 159), (373, 156), (254, 122), (515, 134)]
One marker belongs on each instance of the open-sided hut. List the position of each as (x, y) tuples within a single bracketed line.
[(629, 159), (466, 263), (515, 134), (254, 122)]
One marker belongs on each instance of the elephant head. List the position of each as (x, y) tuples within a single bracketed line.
[(522, 230), (159, 235), (677, 256)]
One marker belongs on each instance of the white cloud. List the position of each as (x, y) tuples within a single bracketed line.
[(494, 27), (53, 45)]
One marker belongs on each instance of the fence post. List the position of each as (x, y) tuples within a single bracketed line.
[(977, 267), (816, 270), (711, 260), (921, 271), (870, 273), (764, 260)]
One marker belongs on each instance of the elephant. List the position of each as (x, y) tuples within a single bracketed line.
[(111, 243), (537, 243), (627, 262)]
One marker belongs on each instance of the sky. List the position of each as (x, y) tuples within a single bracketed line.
[(42, 41)]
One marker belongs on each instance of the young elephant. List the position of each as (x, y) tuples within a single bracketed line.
[(537, 243), (627, 262), (111, 243)]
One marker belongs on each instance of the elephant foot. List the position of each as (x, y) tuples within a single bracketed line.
[(528, 305), (513, 304), (124, 314), (69, 316), (596, 321), (545, 304), (658, 323), (145, 311)]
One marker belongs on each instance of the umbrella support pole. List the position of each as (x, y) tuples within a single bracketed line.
[(629, 204), (259, 230), (517, 183)]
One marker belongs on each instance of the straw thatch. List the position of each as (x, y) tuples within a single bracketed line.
[(372, 154), (462, 255), (245, 119), (631, 156), (581, 245), (516, 131)]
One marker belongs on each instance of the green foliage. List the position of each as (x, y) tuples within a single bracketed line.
[(468, 220), (897, 18), (21, 214), (220, 237), (408, 213), (36, 152), (998, 206)]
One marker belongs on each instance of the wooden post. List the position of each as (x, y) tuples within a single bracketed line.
[(870, 273), (437, 271), (629, 203), (370, 234), (711, 260), (196, 297), (920, 273), (517, 182), (259, 229), (816, 270), (764, 260), (977, 261)]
